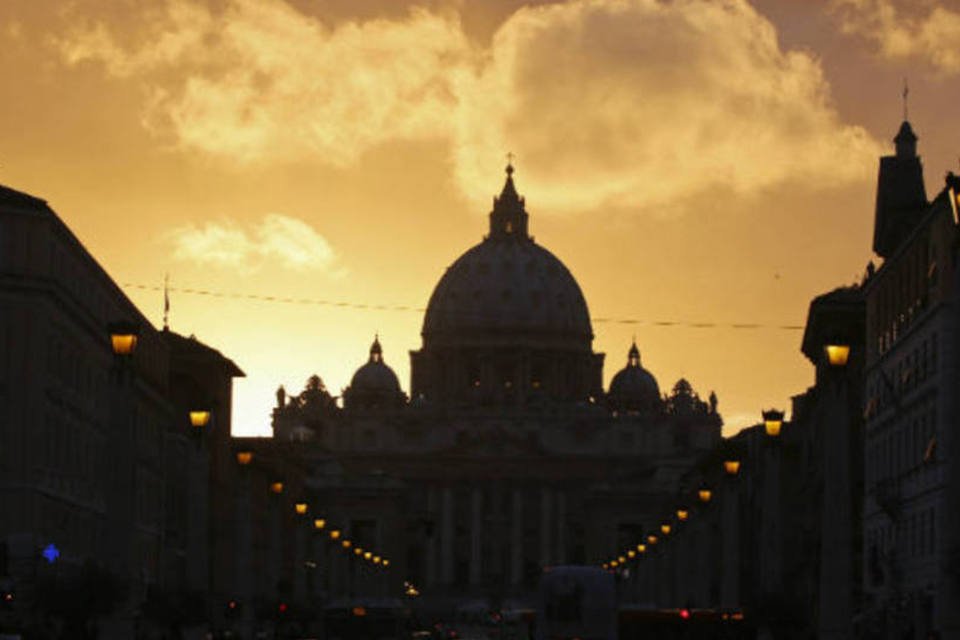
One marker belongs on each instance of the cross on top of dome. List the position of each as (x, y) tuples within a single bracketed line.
[(376, 351), (633, 356)]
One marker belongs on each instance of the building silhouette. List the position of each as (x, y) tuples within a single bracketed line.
[(911, 485), (98, 458), (508, 456)]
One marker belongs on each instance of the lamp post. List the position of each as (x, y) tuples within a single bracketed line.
[(122, 489), (837, 525), (244, 547), (730, 579), (771, 561)]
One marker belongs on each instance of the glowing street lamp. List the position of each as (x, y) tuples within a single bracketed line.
[(300, 508), (631, 554), (319, 524), (665, 528), (199, 418), (651, 539), (346, 544), (704, 494), (731, 467), (276, 487), (367, 555), (123, 338), (334, 534), (641, 548), (621, 559), (244, 458), (358, 551), (682, 514), (376, 559), (772, 422), (385, 562), (837, 354)]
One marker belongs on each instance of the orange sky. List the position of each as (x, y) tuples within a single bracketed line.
[(695, 161)]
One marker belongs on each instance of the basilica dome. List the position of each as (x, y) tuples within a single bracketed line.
[(374, 384), (507, 324), (634, 389), (508, 288)]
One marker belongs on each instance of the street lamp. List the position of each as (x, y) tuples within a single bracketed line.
[(772, 422), (631, 554), (319, 524), (665, 528), (385, 562), (244, 458), (334, 534), (621, 559), (300, 508), (367, 555), (731, 467), (641, 548), (199, 418), (704, 494), (123, 337), (837, 354), (682, 514), (651, 539), (276, 487), (358, 551)]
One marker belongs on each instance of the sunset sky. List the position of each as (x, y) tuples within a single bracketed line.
[(694, 161)]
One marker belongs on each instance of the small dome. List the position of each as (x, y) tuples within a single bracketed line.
[(634, 389), (374, 384)]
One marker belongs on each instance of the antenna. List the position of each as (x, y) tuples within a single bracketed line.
[(906, 92)]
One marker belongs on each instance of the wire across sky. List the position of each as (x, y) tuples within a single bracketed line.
[(395, 307)]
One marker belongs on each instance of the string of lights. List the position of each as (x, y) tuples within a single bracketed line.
[(396, 307)]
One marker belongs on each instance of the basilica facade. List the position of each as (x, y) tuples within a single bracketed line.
[(508, 456)]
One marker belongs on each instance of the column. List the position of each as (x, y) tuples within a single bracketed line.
[(546, 557), (476, 536), (516, 538), (560, 556), (446, 536)]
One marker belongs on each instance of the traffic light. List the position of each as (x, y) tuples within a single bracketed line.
[(233, 609), (281, 608)]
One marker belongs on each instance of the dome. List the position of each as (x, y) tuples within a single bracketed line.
[(633, 388), (373, 384), (508, 289)]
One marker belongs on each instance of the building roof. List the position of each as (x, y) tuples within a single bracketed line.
[(191, 348)]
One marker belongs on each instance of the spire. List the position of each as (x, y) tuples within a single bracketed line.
[(906, 141), (376, 352), (633, 356), (509, 217)]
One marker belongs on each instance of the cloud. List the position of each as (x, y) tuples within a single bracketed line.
[(630, 103), (641, 103), (261, 79), (930, 35), (277, 240)]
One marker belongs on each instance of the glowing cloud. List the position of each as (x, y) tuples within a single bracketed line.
[(645, 103), (898, 35), (279, 240), (632, 103)]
